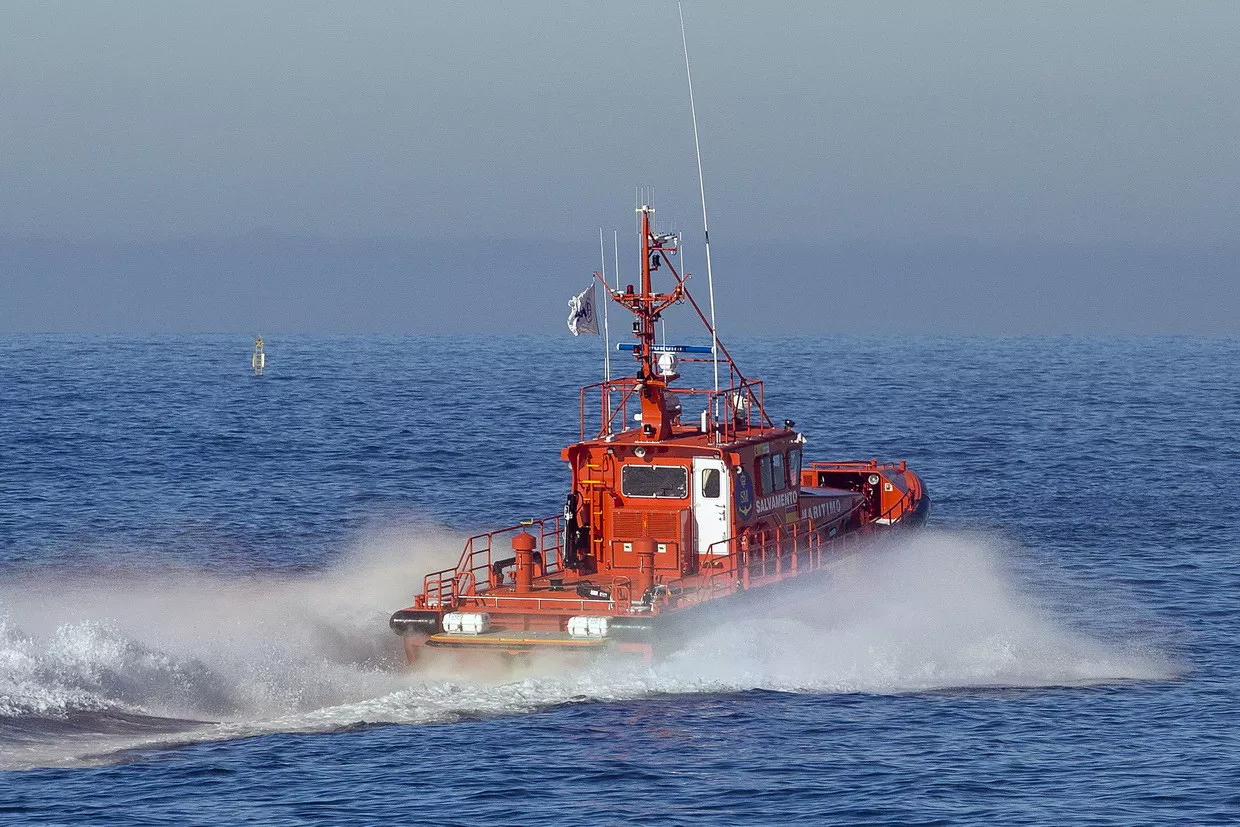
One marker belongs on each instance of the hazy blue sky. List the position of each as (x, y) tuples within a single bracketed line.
[(947, 165)]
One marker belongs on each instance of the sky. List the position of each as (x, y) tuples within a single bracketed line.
[(441, 167)]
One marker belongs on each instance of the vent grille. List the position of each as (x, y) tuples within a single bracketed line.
[(661, 525)]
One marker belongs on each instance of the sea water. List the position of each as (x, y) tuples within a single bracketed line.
[(197, 565)]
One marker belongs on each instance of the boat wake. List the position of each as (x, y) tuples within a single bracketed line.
[(93, 666), (936, 611)]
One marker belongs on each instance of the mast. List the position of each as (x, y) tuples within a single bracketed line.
[(647, 305)]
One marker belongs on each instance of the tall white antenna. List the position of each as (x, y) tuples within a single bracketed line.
[(615, 248), (697, 146), (602, 254)]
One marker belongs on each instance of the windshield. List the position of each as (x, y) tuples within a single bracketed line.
[(670, 481)]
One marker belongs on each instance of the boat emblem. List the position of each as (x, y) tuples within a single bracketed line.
[(744, 494)]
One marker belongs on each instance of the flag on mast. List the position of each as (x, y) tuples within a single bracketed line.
[(581, 313)]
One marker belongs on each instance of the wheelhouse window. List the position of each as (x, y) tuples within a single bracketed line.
[(778, 476), (764, 475), (664, 481), (794, 465), (711, 487)]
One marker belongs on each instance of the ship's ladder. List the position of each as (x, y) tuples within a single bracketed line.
[(596, 487)]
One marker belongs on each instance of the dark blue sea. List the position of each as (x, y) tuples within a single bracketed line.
[(197, 565)]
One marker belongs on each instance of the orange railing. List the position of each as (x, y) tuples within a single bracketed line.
[(774, 554), (730, 410), (858, 465), (734, 564), (738, 563), (473, 573)]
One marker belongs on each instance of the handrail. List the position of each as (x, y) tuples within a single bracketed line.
[(774, 552), (736, 561), (898, 504), (803, 543), (742, 406), (855, 465), (472, 574)]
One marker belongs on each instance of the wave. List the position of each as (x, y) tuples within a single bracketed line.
[(93, 665)]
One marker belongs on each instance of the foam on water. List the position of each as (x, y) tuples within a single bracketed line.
[(935, 611), (92, 664)]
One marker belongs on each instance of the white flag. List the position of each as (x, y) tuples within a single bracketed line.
[(581, 314)]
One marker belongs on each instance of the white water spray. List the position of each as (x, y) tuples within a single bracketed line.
[(94, 664), (935, 611)]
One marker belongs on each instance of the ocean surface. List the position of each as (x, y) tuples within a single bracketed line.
[(197, 566)]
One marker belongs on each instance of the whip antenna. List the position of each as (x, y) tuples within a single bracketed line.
[(602, 254), (615, 246), (697, 146)]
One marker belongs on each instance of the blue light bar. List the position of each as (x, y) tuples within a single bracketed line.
[(667, 348)]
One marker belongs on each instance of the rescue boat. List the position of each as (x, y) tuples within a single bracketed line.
[(668, 512)]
